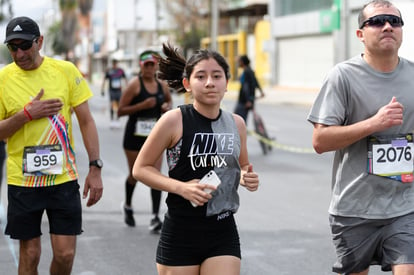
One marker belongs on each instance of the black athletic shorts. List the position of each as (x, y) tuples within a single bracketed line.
[(132, 142), (26, 206), (191, 240)]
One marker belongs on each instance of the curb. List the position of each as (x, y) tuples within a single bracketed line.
[(303, 97)]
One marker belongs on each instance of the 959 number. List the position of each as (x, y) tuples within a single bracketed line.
[(44, 160)]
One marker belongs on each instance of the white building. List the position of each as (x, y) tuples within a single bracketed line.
[(126, 28), (306, 42)]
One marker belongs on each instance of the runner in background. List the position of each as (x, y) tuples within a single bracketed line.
[(115, 76), (144, 100), (248, 86)]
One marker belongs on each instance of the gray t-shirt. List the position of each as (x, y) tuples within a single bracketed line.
[(353, 92)]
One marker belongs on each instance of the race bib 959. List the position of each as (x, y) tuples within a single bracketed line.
[(42, 160)]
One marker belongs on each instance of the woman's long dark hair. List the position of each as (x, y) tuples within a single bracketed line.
[(173, 67)]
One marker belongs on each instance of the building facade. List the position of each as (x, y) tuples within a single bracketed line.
[(309, 37), (123, 29)]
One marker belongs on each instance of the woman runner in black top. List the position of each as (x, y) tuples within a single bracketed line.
[(144, 101), (199, 138)]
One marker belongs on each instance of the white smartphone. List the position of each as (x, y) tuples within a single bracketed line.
[(209, 178)]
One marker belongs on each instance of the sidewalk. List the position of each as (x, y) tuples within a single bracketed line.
[(283, 95)]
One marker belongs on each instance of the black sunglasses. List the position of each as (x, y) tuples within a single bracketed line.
[(381, 19), (24, 46)]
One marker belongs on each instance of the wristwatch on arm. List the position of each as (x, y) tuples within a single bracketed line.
[(98, 163)]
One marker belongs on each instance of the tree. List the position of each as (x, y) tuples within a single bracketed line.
[(188, 14), (68, 27), (85, 7), (65, 33), (6, 10), (55, 34)]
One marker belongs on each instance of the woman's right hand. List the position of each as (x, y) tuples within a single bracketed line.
[(194, 192), (150, 102)]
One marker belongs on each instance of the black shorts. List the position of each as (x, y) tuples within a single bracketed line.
[(132, 142), (191, 240), (27, 204), (241, 110)]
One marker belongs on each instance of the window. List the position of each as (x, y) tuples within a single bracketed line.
[(286, 7)]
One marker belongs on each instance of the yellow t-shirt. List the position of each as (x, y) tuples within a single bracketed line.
[(41, 153)]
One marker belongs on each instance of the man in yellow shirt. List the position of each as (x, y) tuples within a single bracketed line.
[(37, 96)]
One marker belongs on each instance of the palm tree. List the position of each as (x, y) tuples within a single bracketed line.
[(68, 25), (187, 14), (6, 12), (5, 15), (85, 7)]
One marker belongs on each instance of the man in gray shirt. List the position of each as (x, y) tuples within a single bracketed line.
[(365, 113)]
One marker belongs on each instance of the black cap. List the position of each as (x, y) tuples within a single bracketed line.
[(22, 28)]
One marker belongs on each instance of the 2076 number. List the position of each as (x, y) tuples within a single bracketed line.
[(393, 153)]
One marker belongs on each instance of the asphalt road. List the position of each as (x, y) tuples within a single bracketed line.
[(283, 227)]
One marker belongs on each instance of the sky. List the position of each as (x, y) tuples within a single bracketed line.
[(34, 9), (37, 8), (124, 14), (145, 13)]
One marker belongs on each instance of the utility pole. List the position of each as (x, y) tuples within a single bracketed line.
[(273, 53), (345, 15), (156, 35), (214, 24), (341, 34), (157, 17), (134, 37)]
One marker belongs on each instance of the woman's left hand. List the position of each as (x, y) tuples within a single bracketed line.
[(250, 179), (165, 107)]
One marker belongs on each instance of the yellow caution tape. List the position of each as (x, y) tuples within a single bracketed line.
[(274, 144), (280, 146)]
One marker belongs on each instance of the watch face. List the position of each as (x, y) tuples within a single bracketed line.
[(98, 163)]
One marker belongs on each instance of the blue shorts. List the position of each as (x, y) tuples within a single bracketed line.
[(360, 242), (188, 241), (26, 206), (115, 95)]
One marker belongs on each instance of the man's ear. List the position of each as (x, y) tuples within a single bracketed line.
[(40, 41), (360, 35)]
